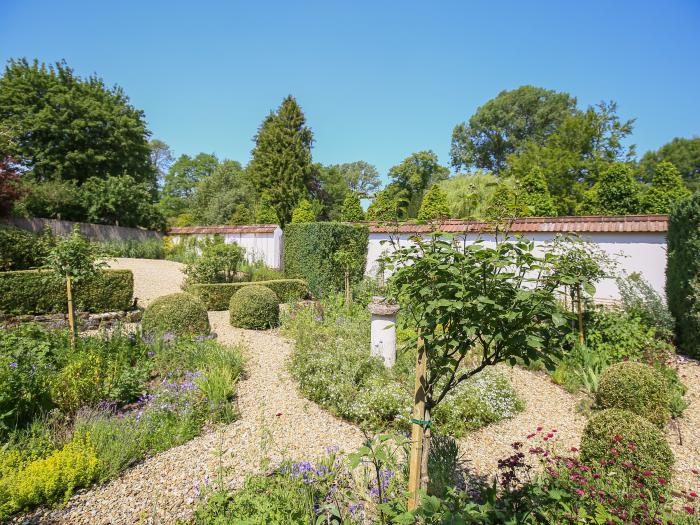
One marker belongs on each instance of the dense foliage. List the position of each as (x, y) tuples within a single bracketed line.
[(218, 296), (434, 206), (23, 250), (218, 263), (255, 307), (683, 273), (176, 313)]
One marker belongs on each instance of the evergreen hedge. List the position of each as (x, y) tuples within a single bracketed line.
[(254, 307), (38, 292), (176, 313), (218, 296), (683, 273), (310, 254)]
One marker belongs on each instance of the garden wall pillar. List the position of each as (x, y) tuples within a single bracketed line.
[(383, 341)]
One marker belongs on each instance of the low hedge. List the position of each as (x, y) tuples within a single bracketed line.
[(636, 387), (254, 307), (176, 313), (37, 292), (218, 296)]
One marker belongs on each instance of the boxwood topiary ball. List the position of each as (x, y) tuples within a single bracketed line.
[(177, 313), (636, 387), (623, 437), (255, 307)]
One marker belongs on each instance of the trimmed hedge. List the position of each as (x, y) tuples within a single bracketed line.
[(218, 296), (310, 253), (636, 387), (683, 273), (617, 429), (254, 307), (176, 313), (37, 292)]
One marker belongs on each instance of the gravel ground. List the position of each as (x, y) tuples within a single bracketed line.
[(276, 423)]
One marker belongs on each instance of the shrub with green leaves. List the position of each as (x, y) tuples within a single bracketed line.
[(178, 314), (683, 273), (133, 248), (217, 264), (639, 299), (22, 250), (255, 307), (218, 296), (614, 429), (310, 254), (635, 387)]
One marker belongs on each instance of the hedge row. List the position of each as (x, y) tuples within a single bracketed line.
[(218, 296), (317, 252), (39, 292)]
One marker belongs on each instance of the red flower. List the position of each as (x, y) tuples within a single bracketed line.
[(694, 471), (579, 492), (662, 481), (646, 473), (554, 430), (689, 510), (530, 436), (539, 429), (574, 449), (693, 494), (618, 438)]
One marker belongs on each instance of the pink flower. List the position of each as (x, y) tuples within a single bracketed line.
[(554, 430), (530, 436), (574, 449), (539, 429), (579, 492), (662, 481), (689, 510), (694, 471), (646, 473), (693, 494), (618, 438)]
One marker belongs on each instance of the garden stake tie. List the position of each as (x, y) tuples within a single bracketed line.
[(418, 427)]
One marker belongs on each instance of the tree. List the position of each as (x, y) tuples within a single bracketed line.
[(53, 199), (161, 159), (181, 182), (683, 153), (666, 189), (505, 124), (474, 306), (361, 177), (617, 192), (121, 201), (264, 212), (535, 194), (574, 156), (66, 128), (304, 212), (330, 191), (413, 176), (281, 162), (434, 206), (223, 194), (9, 186), (352, 209), (390, 204), (469, 195)]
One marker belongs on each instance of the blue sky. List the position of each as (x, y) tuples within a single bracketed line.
[(376, 80)]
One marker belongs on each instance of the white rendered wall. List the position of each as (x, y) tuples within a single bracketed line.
[(634, 252)]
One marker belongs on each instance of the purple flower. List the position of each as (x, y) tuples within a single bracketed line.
[(168, 337), (13, 365), (151, 354)]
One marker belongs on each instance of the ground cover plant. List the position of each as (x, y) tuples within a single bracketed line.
[(333, 367), (71, 415)]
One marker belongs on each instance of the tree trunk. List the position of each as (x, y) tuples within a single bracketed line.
[(581, 338), (71, 309), (417, 430)]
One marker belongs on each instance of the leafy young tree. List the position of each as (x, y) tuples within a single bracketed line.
[(352, 209), (535, 194), (617, 192), (281, 162), (390, 204), (666, 189), (434, 206), (66, 128), (474, 306), (361, 177), (9, 186), (304, 212), (264, 212), (683, 153), (469, 195), (181, 182), (223, 194), (505, 124), (51, 199), (331, 190), (161, 158), (413, 176)]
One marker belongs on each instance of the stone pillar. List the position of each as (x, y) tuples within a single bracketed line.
[(383, 330)]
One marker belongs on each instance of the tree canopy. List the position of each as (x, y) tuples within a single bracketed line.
[(683, 153), (434, 206)]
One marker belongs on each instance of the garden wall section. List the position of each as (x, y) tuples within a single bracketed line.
[(94, 232)]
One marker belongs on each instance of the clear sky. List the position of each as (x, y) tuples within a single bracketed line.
[(376, 80)]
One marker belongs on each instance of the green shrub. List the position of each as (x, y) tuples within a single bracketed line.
[(619, 335), (635, 387), (218, 296), (135, 249), (39, 292), (255, 307), (443, 462), (617, 429), (640, 300), (178, 314), (310, 254), (683, 273), (217, 264), (263, 273), (22, 250)]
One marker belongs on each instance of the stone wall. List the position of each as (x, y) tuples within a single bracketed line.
[(94, 232), (86, 320)]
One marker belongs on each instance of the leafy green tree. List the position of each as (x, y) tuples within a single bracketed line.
[(181, 182), (666, 189), (330, 190), (352, 209), (617, 192), (469, 195), (390, 204), (9, 186), (161, 158), (535, 194), (52, 199), (361, 177), (217, 197), (121, 201), (505, 124), (683, 153), (264, 212), (505, 205), (574, 156), (66, 128), (413, 176), (434, 206), (304, 212), (281, 162)]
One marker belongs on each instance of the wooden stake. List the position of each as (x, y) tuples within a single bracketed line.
[(71, 312), (581, 338), (417, 431)]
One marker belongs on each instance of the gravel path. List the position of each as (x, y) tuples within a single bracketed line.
[(152, 278)]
